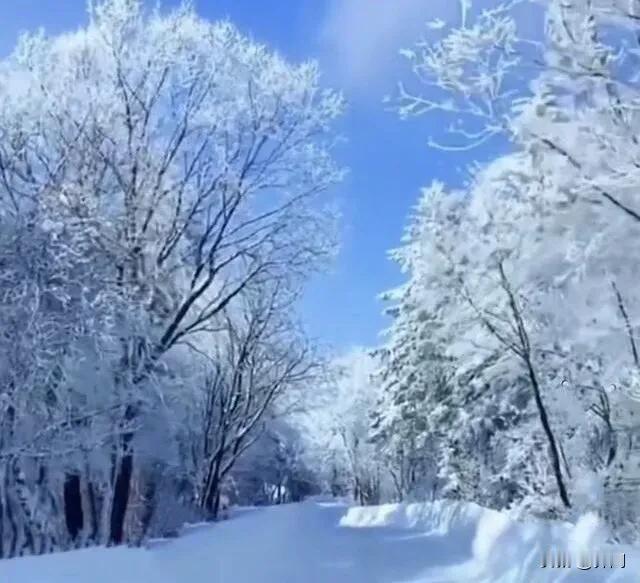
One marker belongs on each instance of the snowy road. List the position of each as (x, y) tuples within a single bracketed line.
[(306, 543), (321, 543)]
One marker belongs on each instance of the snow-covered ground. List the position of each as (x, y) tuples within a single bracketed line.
[(322, 542)]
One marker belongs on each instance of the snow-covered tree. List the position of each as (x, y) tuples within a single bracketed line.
[(172, 171), (525, 279), (260, 358), (337, 425)]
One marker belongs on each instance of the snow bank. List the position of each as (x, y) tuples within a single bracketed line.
[(506, 550), (438, 517), (501, 549)]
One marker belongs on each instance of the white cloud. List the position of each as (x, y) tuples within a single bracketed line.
[(361, 38)]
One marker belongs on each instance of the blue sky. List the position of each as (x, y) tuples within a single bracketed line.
[(356, 42)]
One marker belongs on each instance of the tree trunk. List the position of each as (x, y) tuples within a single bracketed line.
[(211, 498), (121, 490), (524, 351), (74, 516), (23, 494), (216, 505), (94, 518), (13, 542), (1, 529), (553, 446)]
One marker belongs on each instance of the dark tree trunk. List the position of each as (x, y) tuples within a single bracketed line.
[(524, 352), (93, 511), (123, 472), (553, 445), (216, 506), (121, 491), (73, 514), (13, 544), (212, 490), (2, 529)]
